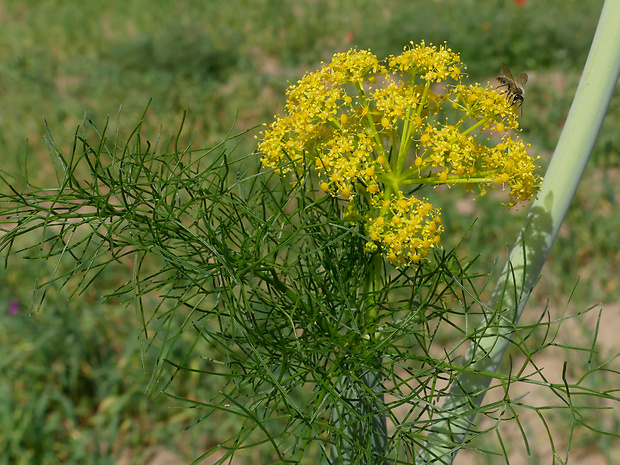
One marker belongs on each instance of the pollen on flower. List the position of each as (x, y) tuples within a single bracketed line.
[(395, 100), (409, 233), (354, 66), (432, 63), (502, 178)]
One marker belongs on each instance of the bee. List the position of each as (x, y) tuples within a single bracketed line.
[(513, 87)]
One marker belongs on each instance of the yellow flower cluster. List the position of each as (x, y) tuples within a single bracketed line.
[(433, 65), (372, 130), (407, 227)]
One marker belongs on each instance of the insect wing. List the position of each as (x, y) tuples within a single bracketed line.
[(506, 72), (521, 80)]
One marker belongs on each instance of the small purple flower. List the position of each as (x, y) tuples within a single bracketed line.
[(13, 308)]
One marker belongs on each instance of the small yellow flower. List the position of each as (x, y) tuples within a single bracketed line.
[(373, 189)]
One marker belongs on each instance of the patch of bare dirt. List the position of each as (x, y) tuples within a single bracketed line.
[(587, 447)]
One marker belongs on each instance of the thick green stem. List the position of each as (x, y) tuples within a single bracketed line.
[(374, 284), (534, 242), (359, 420)]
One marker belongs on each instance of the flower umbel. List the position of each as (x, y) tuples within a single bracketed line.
[(371, 131)]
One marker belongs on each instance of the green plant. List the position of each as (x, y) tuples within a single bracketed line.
[(311, 345), (310, 340)]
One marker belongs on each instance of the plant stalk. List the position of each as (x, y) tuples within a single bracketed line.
[(598, 81)]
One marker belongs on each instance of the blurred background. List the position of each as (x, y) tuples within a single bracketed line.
[(72, 375)]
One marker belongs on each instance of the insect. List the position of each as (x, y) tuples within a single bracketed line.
[(513, 86)]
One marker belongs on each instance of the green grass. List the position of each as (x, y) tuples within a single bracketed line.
[(71, 382), (73, 389)]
